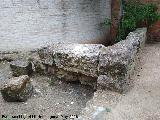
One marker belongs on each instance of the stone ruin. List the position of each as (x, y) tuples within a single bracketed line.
[(94, 64), (90, 64), (17, 89)]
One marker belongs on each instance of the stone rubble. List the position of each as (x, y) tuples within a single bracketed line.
[(21, 67), (95, 64), (17, 89), (90, 64)]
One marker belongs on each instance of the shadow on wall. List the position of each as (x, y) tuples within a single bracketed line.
[(105, 40)]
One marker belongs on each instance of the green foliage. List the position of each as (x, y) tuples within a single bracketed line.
[(136, 13)]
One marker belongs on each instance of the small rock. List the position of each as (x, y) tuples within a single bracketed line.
[(37, 92), (21, 67), (25, 103), (17, 89), (57, 103), (60, 82)]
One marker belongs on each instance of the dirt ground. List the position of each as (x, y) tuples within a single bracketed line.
[(141, 102), (60, 98)]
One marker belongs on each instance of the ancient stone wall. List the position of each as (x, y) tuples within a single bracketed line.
[(91, 64), (94, 64), (33, 23)]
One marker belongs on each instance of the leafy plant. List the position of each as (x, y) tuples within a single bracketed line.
[(135, 14)]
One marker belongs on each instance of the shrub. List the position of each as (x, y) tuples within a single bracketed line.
[(134, 14)]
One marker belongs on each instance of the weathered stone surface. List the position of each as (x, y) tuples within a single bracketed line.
[(21, 67), (79, 58), (8, 56), (117, 62), (103, 81), (139, 36), (46, 56), (115, 58), (17, 89), (119, 85), (67, 76), (88, 80), (72, 62), (37, 63), (94, 64)]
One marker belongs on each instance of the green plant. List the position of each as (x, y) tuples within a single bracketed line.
[(136, 13)]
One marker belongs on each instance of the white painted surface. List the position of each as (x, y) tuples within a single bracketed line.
[(34, 23)]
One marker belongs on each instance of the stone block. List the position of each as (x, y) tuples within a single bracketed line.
[(79, 58), (21, 67), (88, 80), (94, 64), (45, 55), (17, 89), (66, 75), (117, 62)]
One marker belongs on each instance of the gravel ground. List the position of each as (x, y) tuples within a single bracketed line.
[(143, 101), (59, 99)]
